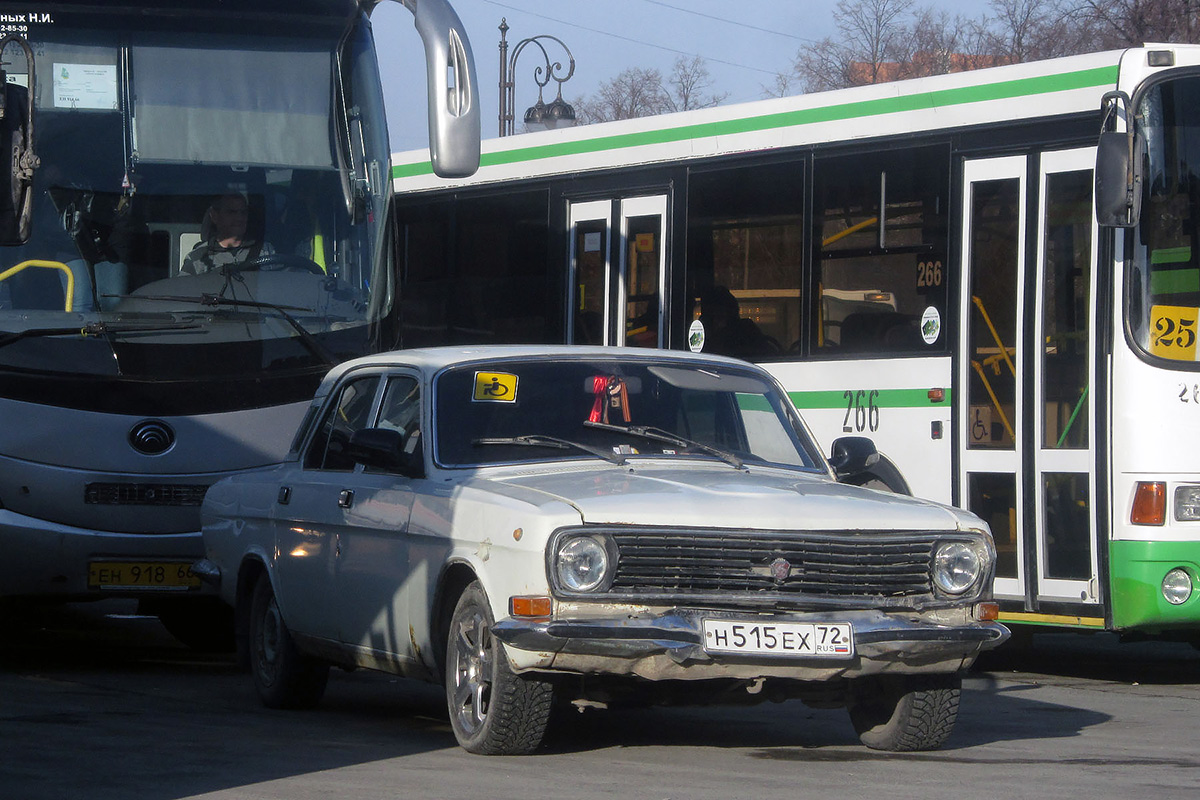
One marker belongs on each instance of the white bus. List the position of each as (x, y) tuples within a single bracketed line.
[(917, 262), (141, 139)]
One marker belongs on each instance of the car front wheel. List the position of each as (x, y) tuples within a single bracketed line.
[(493, 710), (283, 676), (904, 713)]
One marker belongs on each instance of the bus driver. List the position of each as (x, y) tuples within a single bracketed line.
[(225, 243)]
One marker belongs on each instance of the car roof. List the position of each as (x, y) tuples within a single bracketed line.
[(432, 359)]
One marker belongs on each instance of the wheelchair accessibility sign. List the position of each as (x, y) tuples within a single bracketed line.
[(495, 387)]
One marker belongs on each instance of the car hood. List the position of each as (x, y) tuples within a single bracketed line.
[(723, 497)]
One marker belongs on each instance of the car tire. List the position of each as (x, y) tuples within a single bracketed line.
[(283, 676), (904, 713), (493, 711)]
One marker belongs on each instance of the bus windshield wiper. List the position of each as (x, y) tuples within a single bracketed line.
[(536, 440), (216, 300), (659, 435), (95, 329)]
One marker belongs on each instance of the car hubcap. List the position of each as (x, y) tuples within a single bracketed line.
[(472, 672), (268, 642)]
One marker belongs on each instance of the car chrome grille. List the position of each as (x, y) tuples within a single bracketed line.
[(144, 494), (796, 565)]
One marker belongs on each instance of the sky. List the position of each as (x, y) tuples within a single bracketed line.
[(745, 44)]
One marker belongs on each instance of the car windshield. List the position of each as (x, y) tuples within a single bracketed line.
[(616, 410)]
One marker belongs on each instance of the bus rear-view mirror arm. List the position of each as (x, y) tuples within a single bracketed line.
[(452, 88), (1118, 165)]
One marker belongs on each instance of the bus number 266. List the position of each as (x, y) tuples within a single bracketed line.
[(863, 406)]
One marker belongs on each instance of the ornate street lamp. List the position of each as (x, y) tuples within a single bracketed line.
[(541, 113)]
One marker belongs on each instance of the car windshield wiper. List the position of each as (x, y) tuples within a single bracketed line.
[(95, 329), (536, 440), (659, 435), (216, 300)]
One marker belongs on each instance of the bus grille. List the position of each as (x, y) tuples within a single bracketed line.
[(144, 494), (800, 566)]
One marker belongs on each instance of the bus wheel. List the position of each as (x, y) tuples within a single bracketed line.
[(904, 713), (204, 623), (283, 676), (493, 710)]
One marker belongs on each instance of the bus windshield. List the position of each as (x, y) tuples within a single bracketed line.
[(215, 226), (1164, 292)]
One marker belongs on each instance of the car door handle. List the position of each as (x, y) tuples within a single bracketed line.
[(346, 498), (285, 495)]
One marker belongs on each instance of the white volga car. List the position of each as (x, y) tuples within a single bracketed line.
[(541, 526)]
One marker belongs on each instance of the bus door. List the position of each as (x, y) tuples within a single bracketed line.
[(1063, 375), (1026, 446), (618, 271), (990, 372)]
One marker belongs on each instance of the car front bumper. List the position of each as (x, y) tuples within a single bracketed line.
[(670, 645)]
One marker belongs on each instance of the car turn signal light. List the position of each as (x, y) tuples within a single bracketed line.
[(1149, 503), (529, 606), (987, 612)]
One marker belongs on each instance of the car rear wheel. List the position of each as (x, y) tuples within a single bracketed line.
[(904, 713), (283, 676), (493, 710)]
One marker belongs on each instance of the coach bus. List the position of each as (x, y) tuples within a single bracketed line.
[(918, 262), (195, 228)]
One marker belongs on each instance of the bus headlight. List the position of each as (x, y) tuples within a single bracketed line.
[(957, 567), (1187, 503), (1177, 586), (584, 564)]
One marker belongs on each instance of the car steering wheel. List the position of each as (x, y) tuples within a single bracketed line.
[(276, 262)]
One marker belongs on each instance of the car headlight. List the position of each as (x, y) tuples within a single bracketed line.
[(584, 564), (957, 567)]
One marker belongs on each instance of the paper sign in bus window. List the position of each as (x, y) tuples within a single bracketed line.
[(1173, 332), (495, 387)]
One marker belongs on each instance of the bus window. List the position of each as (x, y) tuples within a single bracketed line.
[(476, 271), (880, 238), (745, 255)]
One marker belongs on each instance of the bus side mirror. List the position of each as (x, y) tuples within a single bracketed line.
[(1118, 167), (1118, 181), (453, 88), (17, 158)]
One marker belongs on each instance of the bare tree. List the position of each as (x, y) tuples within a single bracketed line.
[(873, 34), (689, 80), (1126, 23), (640, 92)]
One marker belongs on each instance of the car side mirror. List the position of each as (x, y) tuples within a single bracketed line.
[(852, 456), (388, 450)]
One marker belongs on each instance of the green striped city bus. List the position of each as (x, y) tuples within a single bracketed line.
[(994, 275)]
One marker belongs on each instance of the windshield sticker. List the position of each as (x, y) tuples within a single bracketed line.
[(1173, 332), (495, 387), (931, 325), (85, 86)]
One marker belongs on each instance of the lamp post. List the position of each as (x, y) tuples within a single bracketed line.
[(540, 113)]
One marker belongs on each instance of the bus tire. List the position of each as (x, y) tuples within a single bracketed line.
[(493, 711), (904, 713), (283, 676)]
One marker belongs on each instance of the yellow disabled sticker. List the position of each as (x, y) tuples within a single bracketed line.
[(495, 387)]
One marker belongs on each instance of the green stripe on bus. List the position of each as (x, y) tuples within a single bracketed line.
[(1022, 87), (1171, 255), (1174, 281), (886, 398)]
